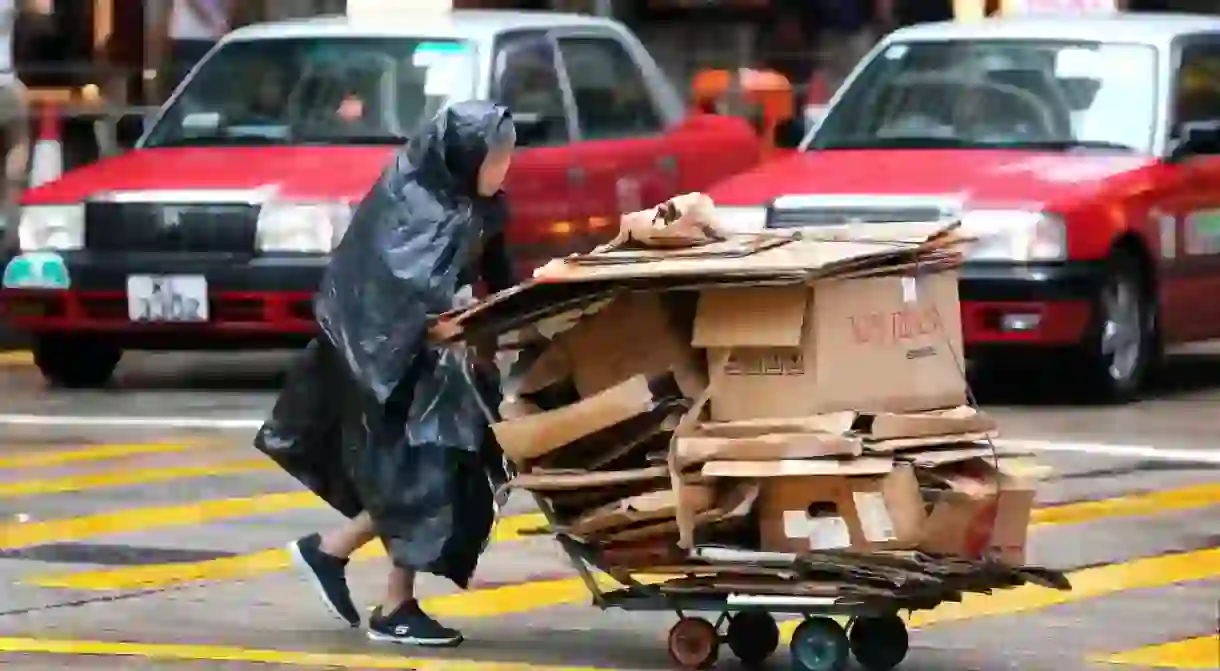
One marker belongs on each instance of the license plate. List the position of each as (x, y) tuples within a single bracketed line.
[(167, 298)]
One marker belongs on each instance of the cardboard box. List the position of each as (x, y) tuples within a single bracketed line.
[(877, 344), (870, 512), (635, 334), (983, 511)]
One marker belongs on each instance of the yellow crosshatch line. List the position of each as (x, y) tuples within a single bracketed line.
[(130, 477), (269, 561), (16, 358), (20, 535), (1090, 583), (509, 528), (42, 459), (1193, 654), (217, 653)]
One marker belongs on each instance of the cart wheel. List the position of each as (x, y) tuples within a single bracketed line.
[(752, 635), (879, 643), (694, 643), (819, 644)]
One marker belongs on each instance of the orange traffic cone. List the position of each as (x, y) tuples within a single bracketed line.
[(47, 158)]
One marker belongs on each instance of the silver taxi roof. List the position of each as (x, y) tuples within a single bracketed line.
[(475, 25), (1154, 29)]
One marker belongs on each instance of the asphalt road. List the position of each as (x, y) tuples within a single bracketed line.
[(139, 530)]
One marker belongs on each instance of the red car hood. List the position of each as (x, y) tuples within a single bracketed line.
[(293, 173), (980, 177)]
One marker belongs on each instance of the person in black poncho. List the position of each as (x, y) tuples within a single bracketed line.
[(378, 419)]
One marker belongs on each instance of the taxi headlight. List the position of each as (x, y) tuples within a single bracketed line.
[(732, 219), (1015, 235), (309, 228), (51, 228)]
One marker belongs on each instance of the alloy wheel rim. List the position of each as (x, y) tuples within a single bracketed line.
[(1122, 336)]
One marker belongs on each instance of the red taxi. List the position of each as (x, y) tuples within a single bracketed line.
[(1083, 153), (214, 231)]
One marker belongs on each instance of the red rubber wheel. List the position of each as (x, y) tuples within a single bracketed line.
[(694, 643)]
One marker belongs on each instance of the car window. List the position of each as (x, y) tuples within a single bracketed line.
[(527, 81), (334, 91), (1035, 94), (1197, 88), (612, 98)]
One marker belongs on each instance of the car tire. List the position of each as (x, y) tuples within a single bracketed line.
[(74, 362), (1122, 344)]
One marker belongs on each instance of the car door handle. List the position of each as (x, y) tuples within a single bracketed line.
[(576, 174), (668, 163)]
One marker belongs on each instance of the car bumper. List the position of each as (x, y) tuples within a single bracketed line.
[(252, 300), (1037, 305)]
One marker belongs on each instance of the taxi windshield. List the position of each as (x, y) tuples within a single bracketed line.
[(999, 94), (316, 91)]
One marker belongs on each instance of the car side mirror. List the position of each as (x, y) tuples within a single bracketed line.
[(534, 129), (1194, 138), (789, 133), (129, 129)]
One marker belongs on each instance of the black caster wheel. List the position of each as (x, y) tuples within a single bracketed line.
[(819, 644), (879, 643), (752, 635), (694, 643)]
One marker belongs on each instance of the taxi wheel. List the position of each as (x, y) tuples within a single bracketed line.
[(75, 362), (1123, 342)]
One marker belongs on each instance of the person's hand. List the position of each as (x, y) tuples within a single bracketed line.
[(443, 330)]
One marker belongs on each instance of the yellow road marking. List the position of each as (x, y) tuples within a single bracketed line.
[(1194, 653), (234, 568), (17, 358), (34, 459), (135, 476), (1089, 583), (246, 566), (17, 535), (216, 653), (1152, 503)]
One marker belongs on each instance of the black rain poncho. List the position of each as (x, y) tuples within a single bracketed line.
[(375, 417)]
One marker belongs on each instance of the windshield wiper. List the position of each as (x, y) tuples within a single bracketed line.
[(1064, 145), (901, 142), (343, 138), (216, 141)]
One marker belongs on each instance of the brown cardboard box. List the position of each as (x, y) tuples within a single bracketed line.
[(878, 344), (862, 512), (635, 334), (984, 510)]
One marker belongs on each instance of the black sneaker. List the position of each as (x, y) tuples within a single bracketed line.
[(328, 576), (410, 625)]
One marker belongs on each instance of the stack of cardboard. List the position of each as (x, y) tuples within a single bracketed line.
[(784, 413)]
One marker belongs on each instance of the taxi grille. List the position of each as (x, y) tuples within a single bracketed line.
[(833, 216), (171, 227)]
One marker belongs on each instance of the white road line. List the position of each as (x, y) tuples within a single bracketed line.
[(1198, 456), (99, 421)]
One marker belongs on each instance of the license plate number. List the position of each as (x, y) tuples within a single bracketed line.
[(167, 298)]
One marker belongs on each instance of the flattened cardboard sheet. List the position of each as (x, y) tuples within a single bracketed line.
[(899, 444), (781, 446), (544, 482), (959, 420), (530, 437), (643, 508), (798, 467)]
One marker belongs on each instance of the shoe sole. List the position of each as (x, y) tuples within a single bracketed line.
[(410, 640), (303, 567)]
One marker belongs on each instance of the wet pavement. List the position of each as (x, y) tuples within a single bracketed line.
[(139, 530)]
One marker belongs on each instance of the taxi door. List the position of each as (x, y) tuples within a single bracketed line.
[(543, 184), (1190, 222), (627, 158)]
